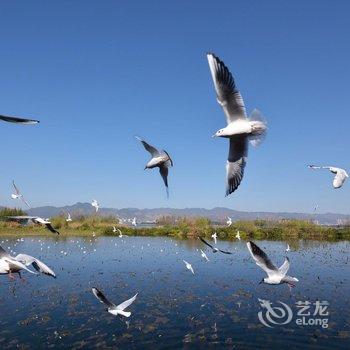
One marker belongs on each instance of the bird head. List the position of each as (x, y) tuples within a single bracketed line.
[(219, 133)]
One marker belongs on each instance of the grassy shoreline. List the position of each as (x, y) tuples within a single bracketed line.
[(184, 228)]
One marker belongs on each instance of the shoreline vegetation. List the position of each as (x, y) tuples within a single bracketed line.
[(177, 227)]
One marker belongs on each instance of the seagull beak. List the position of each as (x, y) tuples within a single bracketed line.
[(260, 282), (213, 136)]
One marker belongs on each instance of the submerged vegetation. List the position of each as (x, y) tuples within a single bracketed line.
[(179, 227)]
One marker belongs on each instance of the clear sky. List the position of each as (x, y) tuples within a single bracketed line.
[(96, 73)]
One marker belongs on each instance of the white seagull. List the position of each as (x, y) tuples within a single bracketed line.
[(18, 120), (340, 174), (238, 236), (160, 159), (10, 264), (120, 233), (214, 249), (288, 248), (112, 308), (229, 221), (204, 255), (133, 222), (215, 237), (18, 195), (188, 266), (240, 129), (275, 275), (25, 220), (95, 204), (114, 229), (69, 218)]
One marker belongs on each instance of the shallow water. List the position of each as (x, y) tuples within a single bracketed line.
[(216, 307)]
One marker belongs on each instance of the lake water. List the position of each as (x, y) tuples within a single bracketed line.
[(217, 307)]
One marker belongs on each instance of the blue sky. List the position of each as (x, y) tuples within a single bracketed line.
[(97, 73)]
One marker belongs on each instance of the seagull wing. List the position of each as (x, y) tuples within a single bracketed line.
[(126, 303), (224, 251), (154, 152), (3, 253), (101, 297), (18, 120), (25, 202), (236, 162), (50, 228), (205, 242), (36, 263), (15, 187), (284, 267), (262, 259), (164, 170), (227, 94), (13, 263), (339, 178)]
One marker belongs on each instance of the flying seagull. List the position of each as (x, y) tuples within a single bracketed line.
[(238, 235), (188, 266), (18, 195), (275, 275), (287, 248), (240, 129), (25, 220), (10, 264), (112, 308), (95, 204), (204, 255), (17, 120), (160, 159), (214, 249), (214, 236), (133, 222), (229, 221), (69, 218), (340, 174)]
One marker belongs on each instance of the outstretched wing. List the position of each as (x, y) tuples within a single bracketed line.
[(224, 251), (50, 228), (101, 297), (15, 187), (154, 152), (36, 263), (228, 96), (284, 267), (236, 162), (205, 242), (164, 170), (126, 303), (18, 120), (261, 259)]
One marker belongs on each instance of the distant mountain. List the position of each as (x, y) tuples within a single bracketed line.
[(218, 215)]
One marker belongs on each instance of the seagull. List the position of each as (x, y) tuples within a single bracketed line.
[(229, 221), (112, 308), (18, 195), (160, 159), (288, 248), (275, 275), (17, 120), (10, 264), (120, 233), (69, 218), (240, 129), (114, 229), (188, 266), (24, 220), (95, 204), (340, 174), (215, 237), (238, 236), (214, 249), (133, 222), (204, 255)]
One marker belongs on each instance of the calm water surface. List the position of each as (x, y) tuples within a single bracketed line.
[(215, 308)]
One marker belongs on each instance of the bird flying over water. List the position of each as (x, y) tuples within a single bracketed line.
[(160, 159), (340, 174), (240, 129), (229, 221), (188, 266), (238, 235), (10, 264), (18, 120), (18, 195), (25, 220), (214, 249), (275, 275), (112, 308), (214, 236), (204, 255), (69, 218)]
